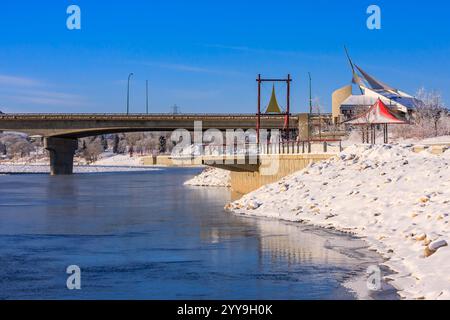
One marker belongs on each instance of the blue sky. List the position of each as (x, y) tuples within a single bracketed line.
[(204, 55)]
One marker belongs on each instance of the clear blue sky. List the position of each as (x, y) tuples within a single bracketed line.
[(205, 55)]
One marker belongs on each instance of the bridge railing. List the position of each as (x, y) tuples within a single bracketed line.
[(125, 115), (254, 149)]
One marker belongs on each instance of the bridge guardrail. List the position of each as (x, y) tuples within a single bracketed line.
[(253, 149), (11, 115)]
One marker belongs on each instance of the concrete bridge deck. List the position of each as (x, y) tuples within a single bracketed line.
[(83, 125)]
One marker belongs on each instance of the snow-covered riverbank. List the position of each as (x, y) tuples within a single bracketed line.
[(211, 177), (398, 200), (19, 169), (107, 163)]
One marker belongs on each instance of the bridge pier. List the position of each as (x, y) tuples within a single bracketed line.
[(61, 151)]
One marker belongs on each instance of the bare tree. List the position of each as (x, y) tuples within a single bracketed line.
[(16, 145), (21, 148), (430, 117), (19, 145), (149, 144), (116, 141), (133, 138), (93, 150), (2, 149), (90, 148), (430, 109)]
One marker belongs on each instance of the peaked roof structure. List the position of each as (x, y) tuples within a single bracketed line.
[(370, 85), (374, 83), (273, 106), (377, 114)]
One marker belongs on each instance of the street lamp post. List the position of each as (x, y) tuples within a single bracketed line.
[(310, 106), (146, 96), (128, 92)]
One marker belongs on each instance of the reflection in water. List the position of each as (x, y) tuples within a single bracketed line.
[(146, 236), (299, 244)]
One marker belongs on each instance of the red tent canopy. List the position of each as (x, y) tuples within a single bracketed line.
[(377, 114)]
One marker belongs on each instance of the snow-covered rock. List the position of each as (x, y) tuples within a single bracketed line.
[(437, 244), (211, 177), (398, 200)]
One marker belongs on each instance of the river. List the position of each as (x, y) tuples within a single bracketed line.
[(143, 235)]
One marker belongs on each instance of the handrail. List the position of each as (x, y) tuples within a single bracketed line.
[(252, 149)]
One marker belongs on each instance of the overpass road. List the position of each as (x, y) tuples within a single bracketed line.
[(61, 131)]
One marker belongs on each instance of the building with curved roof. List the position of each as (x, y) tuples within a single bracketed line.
[(346, 104)]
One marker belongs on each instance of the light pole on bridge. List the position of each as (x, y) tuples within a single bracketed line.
[(128, 92), (146, 96), (310, 106)]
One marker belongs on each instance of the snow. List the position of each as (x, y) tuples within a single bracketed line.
[(445, 140), (397, 200), (108, 162), (13, 169), (355, 137), (111, 159), (211, 177)]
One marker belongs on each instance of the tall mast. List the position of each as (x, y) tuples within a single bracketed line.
[(355, 75)]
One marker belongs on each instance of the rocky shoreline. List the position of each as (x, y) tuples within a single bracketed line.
[(395, 199)]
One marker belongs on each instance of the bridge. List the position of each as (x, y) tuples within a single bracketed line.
[(74, 126), (61, 131)]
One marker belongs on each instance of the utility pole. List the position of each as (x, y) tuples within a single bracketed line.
[(146, 95), (258, 114), (288, 106), (128, 92), (310, 106)]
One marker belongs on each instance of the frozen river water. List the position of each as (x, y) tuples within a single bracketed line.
[(144, 235)]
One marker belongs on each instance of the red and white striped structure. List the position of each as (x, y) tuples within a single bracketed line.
[(378, 114)]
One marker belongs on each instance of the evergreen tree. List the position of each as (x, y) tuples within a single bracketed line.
[(104, 142), (162, 144), (2, 148), (116, 143)]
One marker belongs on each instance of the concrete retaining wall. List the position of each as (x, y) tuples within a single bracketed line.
[(245, 182)]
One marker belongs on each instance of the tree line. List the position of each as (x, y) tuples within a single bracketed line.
[(16, 146)]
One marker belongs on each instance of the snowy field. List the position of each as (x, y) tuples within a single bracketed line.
[(211, 177), (397, 200)]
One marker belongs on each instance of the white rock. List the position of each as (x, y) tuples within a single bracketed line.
[(435, 245)]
